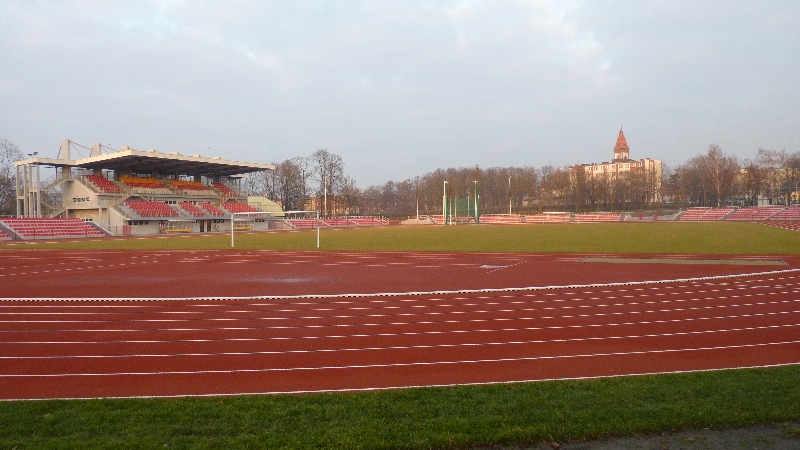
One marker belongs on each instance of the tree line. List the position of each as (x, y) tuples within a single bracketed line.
[(713, 178), (718, 179)]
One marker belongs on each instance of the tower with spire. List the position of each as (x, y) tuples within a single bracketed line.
[(621, 149)]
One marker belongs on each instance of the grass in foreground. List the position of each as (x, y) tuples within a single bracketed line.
[(682, 238), (458, 417)]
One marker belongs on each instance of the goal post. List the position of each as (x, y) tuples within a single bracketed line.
[(272, 214)]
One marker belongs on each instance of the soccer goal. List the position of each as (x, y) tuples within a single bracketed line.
[(244, 221)]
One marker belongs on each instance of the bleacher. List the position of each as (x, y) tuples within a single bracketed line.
[(369, 221), (500, 218), (102, 184), (51, 228), (700, 213), (4, 236), (754, 213), (546, 218), (145, 185), (790, 213), (337, 222), (225, 189), (151, 209), (597, 217), (191, 187), (239, 207), (211, 209), (192, 209), (304, 223)]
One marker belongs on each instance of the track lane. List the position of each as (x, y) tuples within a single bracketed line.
[(279, 343)]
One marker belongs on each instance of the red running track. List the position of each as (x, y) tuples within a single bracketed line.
[(118, 324)]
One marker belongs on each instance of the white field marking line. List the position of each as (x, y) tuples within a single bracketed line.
[(415, 323), (422, 313), (392, 388), (380, 348), (394, 294), (403, 364)]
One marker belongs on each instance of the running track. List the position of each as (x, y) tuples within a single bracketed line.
[(118, 324)]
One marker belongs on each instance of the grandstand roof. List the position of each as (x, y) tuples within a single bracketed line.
[(148, 161)]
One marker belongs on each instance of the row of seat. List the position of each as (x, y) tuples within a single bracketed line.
[(103, 184), (790, 213), (211, 209), (754, 213), (600, 217), (239, 207), (225, 189), (705, 214), (368, 221), (192, 209), (151, 209), (499, 218), (161, 209), (154, 186), (47, 227), (546, 218), (189, 185), (303, 223)]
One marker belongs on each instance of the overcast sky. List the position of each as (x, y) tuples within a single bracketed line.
[(401, 88)]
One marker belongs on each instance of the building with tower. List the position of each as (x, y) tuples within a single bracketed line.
[(643, 175)]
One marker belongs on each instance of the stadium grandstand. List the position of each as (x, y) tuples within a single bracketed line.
[(101, 191)]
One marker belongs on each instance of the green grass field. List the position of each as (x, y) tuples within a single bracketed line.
[(683, 238), (456, 417)]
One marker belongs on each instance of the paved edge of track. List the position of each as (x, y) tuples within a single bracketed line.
[(396, 294)]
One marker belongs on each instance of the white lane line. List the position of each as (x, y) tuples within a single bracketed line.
[(411, 293), (38, 305), (360, 349), (421, 313), (415, 323), (403, 364)]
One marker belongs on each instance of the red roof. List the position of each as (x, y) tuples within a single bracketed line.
[(622, 144)]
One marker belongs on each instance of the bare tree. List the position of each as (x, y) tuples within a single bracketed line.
[(350, 196), (720, 170), (328, 169), (289, 186), (9, 154)]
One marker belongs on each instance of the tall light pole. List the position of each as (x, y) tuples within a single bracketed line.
[(475, 183), (416, 194), (444, 202), (509, 195)]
